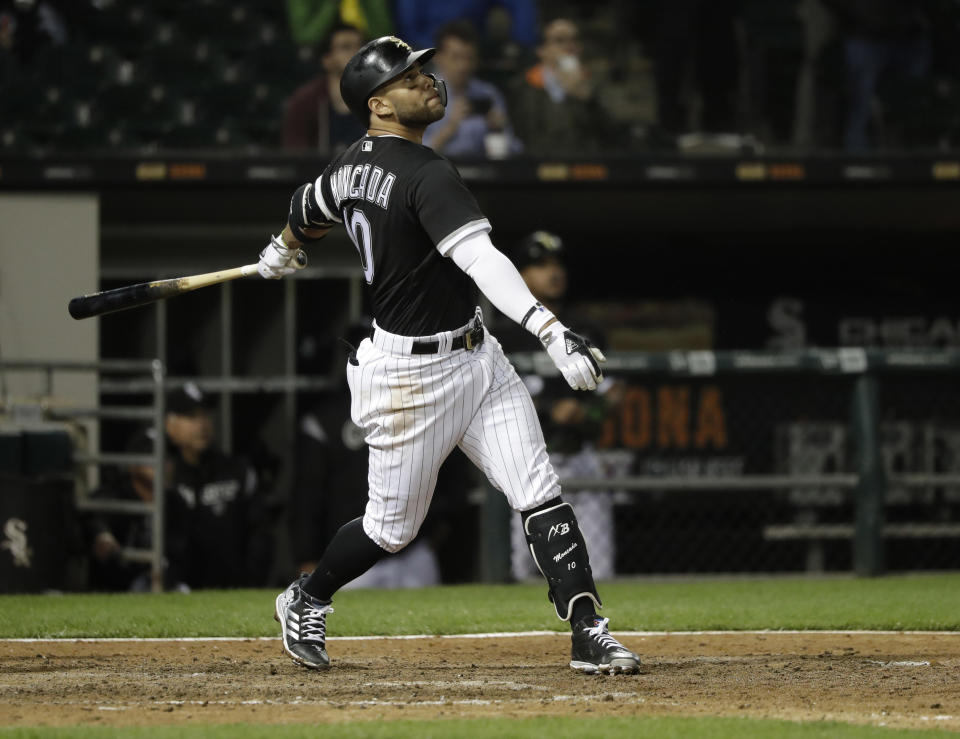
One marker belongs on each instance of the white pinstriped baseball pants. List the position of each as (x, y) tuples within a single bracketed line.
[(415, 408)]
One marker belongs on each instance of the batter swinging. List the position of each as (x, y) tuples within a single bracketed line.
[(432, 377)]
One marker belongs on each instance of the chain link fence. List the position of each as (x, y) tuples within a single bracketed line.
[(825, 460)]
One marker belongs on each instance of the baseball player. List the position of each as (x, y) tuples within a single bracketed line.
[(432, 377)]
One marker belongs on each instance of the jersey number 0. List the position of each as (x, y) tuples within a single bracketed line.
[(358, 227)]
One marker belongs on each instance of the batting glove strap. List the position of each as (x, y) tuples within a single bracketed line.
[(536, 318), (279, 260), (577, 358)]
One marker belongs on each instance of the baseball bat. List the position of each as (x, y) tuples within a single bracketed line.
[(132, 296)]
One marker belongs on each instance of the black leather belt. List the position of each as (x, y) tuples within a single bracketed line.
[(473, 337)]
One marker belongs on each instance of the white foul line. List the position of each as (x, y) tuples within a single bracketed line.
[(491, 635)]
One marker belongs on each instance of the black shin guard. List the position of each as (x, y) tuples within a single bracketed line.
[(350, 553), (560, 552)]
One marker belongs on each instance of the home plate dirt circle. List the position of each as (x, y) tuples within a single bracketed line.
[(892, 679)]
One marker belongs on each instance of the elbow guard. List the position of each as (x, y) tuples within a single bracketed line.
[(305, 212)]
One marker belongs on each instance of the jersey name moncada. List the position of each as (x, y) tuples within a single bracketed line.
[(404, 206), (362, 182)]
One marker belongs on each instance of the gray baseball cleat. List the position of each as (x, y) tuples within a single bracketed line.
[(303, 626), (594, 650)]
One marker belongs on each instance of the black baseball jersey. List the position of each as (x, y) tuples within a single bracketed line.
[(404, 206)]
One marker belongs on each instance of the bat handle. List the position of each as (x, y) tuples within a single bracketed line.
[(251, 269)]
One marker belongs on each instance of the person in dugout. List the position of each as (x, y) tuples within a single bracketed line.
[(216, 523)]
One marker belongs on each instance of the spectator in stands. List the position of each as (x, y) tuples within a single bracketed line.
[(570, 423), (418, 22), (883, 40), (475, 125), (554, 107), (697, 36), (312, 21), (817, 93), (28, 25), (315, 117), (501, 55)]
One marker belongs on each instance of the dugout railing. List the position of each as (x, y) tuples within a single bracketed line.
[(132, 396), (810, 460), (45, 407)]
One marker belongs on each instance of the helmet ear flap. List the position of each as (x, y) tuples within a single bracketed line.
[(440, 86)]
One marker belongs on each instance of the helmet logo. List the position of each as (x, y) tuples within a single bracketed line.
[(402, 45)]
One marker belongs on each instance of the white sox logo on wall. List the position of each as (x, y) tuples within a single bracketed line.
[(15, 533), (560, 529)]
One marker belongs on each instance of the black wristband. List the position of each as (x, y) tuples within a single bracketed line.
[(533, 309)]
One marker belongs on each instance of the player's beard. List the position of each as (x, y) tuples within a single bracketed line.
[(422, 116)]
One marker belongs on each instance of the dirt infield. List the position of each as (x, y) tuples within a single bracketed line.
[(902, 680)]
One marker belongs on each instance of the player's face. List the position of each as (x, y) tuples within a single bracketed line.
[(190, 431), (547, 279), (413, 98)]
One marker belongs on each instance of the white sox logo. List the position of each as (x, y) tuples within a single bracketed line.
[(15, 529), (560, 529), (402, 45)]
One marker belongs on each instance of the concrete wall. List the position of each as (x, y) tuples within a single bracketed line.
[(49, 252)]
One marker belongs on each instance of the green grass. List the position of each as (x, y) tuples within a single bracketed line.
[(555, 728), (895, 602)]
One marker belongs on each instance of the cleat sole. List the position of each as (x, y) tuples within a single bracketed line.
[(622, 667), (587, 668)]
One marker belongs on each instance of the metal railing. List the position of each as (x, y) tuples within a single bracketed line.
[(153, 383), (865, 477)]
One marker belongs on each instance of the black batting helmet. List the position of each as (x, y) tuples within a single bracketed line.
[(377, 62), (535, 247)]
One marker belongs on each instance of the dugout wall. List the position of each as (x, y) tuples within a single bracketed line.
[(713, 255)]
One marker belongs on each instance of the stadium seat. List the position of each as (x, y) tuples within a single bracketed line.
[(177, 62), (84, 139), (22, 98), (16, 139), (116, 102), (179, 137), (125, 26)]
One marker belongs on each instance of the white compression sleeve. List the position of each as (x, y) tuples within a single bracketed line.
[(499, 280)]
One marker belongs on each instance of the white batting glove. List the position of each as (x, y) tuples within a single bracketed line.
[(279, 260), (575, 356)]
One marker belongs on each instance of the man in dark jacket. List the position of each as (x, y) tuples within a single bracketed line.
[(315, 116), (882, 40), (554, 107), (221, 540)]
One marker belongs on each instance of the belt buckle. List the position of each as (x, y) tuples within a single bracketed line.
[(473, 337)]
